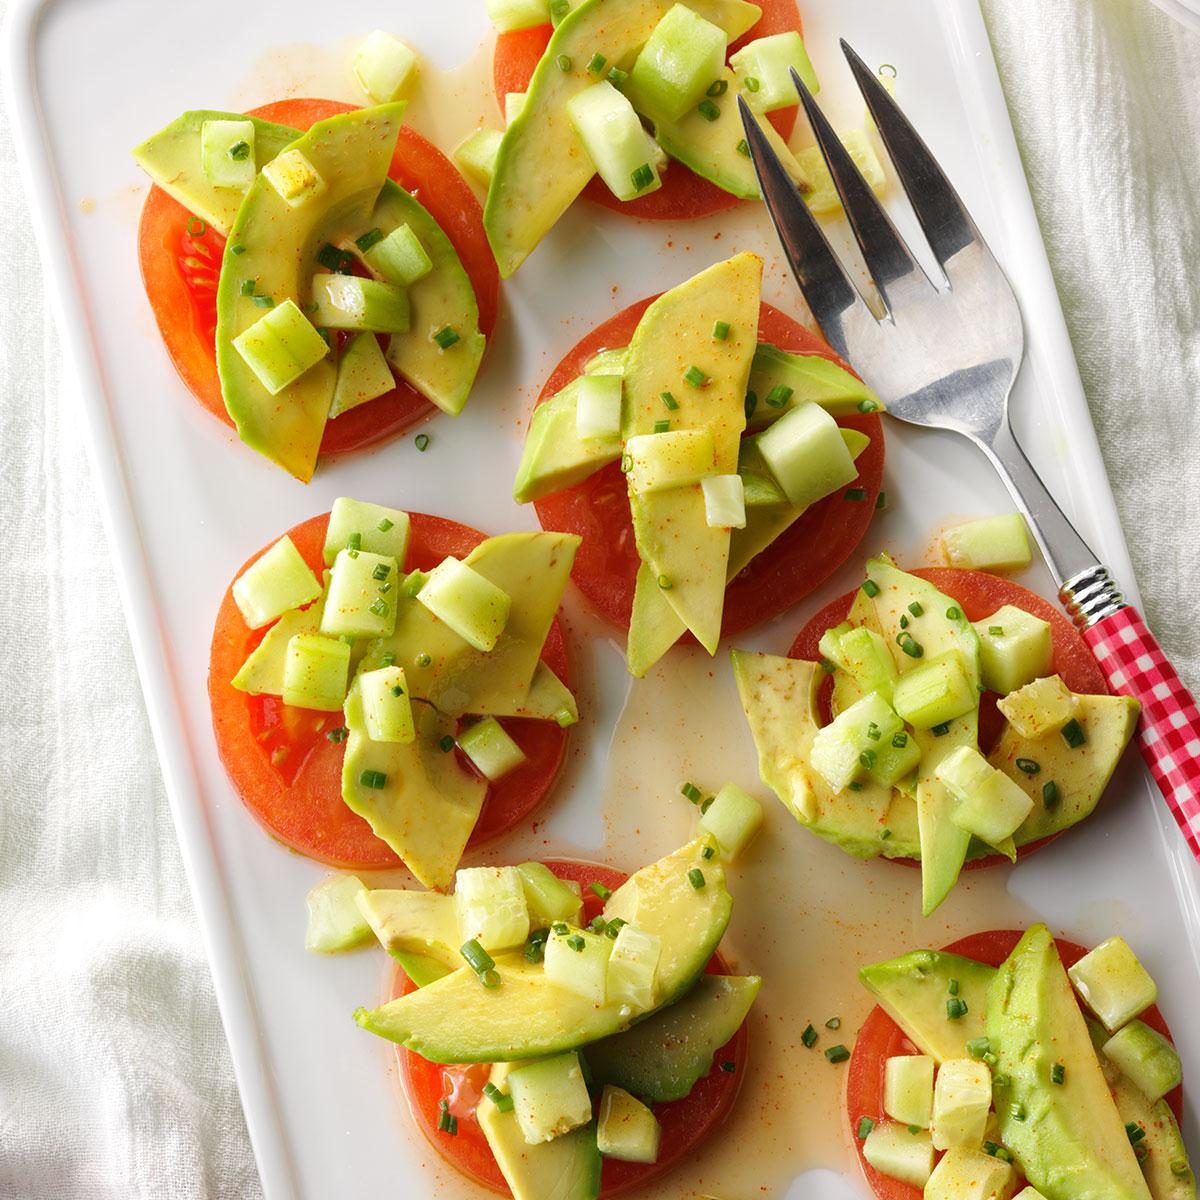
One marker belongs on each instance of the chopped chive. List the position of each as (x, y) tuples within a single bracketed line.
[(248, 287), (903, 621), (663, 426), (751, 404), (885, 835), (423, 660), (855, 786), (239, 151), (978, 1047), (643, 177), (834, 1023), (478, 959), (385, 524), (664, 582), (576, 942), (855, 494), (717, 88), (910, 645), (1017, 1111), (1050, 794), (870, 588), (1073, 734), (720, 331), (597, 924), (692, 792), (867, 406), (941, 730), (1029, 765), (446, 744), (695, 377), (809, 1037), (865, 1125), (373, 779), (708, 110), (560, 928), (874, 732), (501, 1100), (397, 691), (706, 804), (954, 613), (196, 227), (779, 395), (371, 238), (956, 1008), (381, 572), (354, 542), (728, 1067), (617, 77), (1180, 1168), (237, 248), (565, 718), (333, 258), (614, 927), (953, 987), (1135, 1132), (696, 878), (837, 1054), (421, 441), (881, 502), (378, 607), (600, 890), (995, 630), (1058, 1074), (264, 302), (446, 337), (751, 83), (564, 62), (828, 667), (387, 659), (670, 401), (707, 852), (340, 734), (900, 740), (867, 759), (916, 608), (596, 64), (743, 147)]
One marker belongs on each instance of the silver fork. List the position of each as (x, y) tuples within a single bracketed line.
[(946, 355)]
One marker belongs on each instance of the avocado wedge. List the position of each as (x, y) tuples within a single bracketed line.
[(456, 1019)]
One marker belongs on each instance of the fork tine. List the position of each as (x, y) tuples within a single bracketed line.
[(888, 258), (827, 288), (941, 214)]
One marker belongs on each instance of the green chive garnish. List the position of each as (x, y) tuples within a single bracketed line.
[(856, 494), (865, 1125), (900, 740), (696, 878), (695, 377), (743, 147), (378, 607), (1050, 794), (954, 613), (881, 502), (942, 729), (446, 337), (576, 942), (728, 1067), (1029, 765), (751, 84), (371, 238), (867, 406), (196, 227), (1135, 1132), (1073, 734), (385, 524), (956, 1008), (617, 77), (692, 792), (670, 401), (916, 608), (421, 441), (664, 582), (708, 110), (718, 88), (596, 64), (834, 1023), (564, 62), (423, 660), (643, 177), (870, 588), (720, 331), (809, 1037), (237, 249), (600, 890), (837, 1054), (662, 426), (373, 779), (340, 734), (1058, 1074), (779, 395), (751, 404), (978, 1047), (381, 572), (446, 744), (500, 1099), (248, 287)]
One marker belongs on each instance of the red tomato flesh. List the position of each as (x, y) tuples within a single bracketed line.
[(289, 774), (684, 195), (686, 1124), (180, 261), (881, 1038), (979, 595), (788, 570)]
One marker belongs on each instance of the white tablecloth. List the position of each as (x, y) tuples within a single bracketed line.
[(114, 1075)]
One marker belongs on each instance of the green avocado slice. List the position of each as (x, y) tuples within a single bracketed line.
[(427, 806), (542, 165), (1069, 1139), (456, 1019), (443, 668), (280, 243), (564, 1168), (661, 1058)]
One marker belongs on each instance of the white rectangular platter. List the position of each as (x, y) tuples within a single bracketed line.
[(185, 505)]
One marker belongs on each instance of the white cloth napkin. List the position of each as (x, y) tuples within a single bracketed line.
[(114, 1075)]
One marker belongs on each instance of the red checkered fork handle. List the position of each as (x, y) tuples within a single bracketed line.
[(1169, 732)]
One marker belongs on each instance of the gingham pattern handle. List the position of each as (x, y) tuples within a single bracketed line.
[(1169, 732)]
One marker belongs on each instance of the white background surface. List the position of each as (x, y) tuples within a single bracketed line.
[(114, 1079)]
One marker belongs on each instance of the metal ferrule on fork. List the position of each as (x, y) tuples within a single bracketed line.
[(1090, 596)]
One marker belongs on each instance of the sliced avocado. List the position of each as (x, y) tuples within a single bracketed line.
[(427, 804), (661, 1058), (1079, 774), (674, 337), (555, 456), (548, 699), (411, 925), (944, 845), (1068, 1139), (279, 242), (420, 968), (779, 696), (913, 990), (564, 1168), (527, 1016), (542, 165), (810, 377), (172, 160), (654, 626), (262, 672), (710, 148), (532, 569)]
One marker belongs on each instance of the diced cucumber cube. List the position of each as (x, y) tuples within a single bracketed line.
[(614, 138), (384, 65), (280, 346), (970, 1175), (277, 581), (474, 607), (356, 605), (359, 525), (1145, 1058), (990, 805), (895, 759), (387, 706), (823, 198), (1015, 648), (363, 374), (508, 15), (1113, 983), (316, 672), (514, 105), (295, 179), (908, 1089), (348, 302), (962, 1096), (476, 155), (488, 745), (632, 968), (935, 692), (410, 922), (656, 462), (598, 407), (227, 153), (992, 544), (830, 644), (847, 748), (577, 960), (899, 1153), (764, 67), (1041, 707), (550, 1097), (628, 1130), (549, 898), (679, 63), (866, 658), (733, 818), (724, 501), (964, 771), (399, 258), (334, 921), (806, 453), (490, 902)]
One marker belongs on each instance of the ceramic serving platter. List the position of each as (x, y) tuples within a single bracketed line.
[(186, 504)]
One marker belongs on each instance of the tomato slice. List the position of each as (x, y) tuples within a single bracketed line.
[(788, 570), (180, 261), (881, 1038), (289, 774), (686, 1124), (684, 195), (979, 595)]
